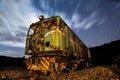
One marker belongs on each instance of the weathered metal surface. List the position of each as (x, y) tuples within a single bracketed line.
[(39, 63), (52, 37)]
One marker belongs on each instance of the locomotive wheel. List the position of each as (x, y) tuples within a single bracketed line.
[(71, 67)]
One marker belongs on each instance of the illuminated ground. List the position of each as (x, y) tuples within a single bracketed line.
[(93, 73)]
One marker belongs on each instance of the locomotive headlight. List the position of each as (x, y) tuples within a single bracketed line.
[(41, 17), (47, 44), (29, 51)]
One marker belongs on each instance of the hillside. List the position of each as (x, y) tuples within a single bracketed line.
[(105, 54), (10, 61)]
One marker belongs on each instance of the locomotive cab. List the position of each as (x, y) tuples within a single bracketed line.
[(29, 45), (37, 36)]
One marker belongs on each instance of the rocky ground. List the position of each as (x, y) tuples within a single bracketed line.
[(93, 73)]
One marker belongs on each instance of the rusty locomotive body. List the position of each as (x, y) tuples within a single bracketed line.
[(54, 46)]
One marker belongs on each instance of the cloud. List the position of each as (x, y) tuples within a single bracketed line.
[(91, 20), (117, 6), (77, 21), (11, 53), (13, 43), (15, 17)]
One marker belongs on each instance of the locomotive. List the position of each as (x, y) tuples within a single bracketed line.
[(52, 45)]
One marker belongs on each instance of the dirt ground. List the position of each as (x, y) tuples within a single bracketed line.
[(93, 73)]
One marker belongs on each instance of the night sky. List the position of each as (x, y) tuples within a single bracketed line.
[(94, 21)]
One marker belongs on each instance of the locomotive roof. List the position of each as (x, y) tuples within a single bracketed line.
[(59, 18)]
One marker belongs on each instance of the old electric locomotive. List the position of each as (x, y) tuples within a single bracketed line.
[(54, 46)]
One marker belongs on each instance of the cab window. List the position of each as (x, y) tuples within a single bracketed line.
[(31, 31)]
